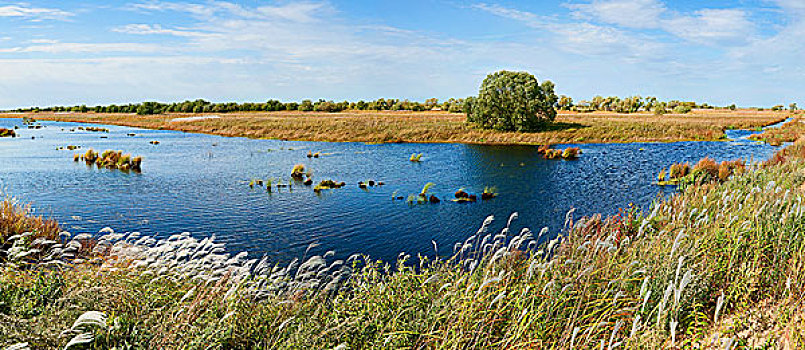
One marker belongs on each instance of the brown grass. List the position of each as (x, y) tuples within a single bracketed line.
[(789, 132), (364, 126), (15, 219)]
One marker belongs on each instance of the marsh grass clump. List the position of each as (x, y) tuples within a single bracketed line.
[(706, 166), (298, 171), (463, 197), (706, 170), (95, 129), (327, 185), (729, 168), (422, 197), (568, 153), (489, 193), (415, 157), (7, 132), (112, 160), (678, 170), (571, 153), (90, 156)]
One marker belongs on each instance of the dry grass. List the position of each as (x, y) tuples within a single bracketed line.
[(15, 219), (359, 126), (789, 132)]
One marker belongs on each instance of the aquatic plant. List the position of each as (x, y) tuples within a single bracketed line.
[(426, 188), (489, 193), (571, 153), (95, 129), (678, 170), (154, 142), (112, 160), (298, 171), (543, 149), (90, 156), (416, 157), (327, 185), (7, 132), (661, 175)]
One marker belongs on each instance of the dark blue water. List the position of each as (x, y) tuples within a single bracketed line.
[(198, 183)]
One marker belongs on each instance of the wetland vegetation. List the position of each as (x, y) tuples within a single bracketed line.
[(111, 160), (701, 267)]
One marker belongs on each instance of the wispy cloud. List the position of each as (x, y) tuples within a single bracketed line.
[(156, 29), (34, 13), (713, 27), (624, 13), (582, 37), (49, 46)]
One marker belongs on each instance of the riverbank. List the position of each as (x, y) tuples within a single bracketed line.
[(441, 127), (712, 265)]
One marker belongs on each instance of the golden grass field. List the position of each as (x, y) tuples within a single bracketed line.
[(387, 126)]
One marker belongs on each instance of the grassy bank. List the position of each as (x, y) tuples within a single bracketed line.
[(598, 127), (715, 264)]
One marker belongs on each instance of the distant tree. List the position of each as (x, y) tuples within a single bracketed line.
[(306, 106), (431, 103), (732, 107), (660, 108), (513, 101), (777, 108), (682, 109), (793, 106), (565, 103)]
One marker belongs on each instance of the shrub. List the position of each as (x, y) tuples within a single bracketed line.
[(571, 153), (707, 166), (678, 171), (682, 109)]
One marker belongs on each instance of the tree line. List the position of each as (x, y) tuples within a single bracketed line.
[(631, 104), (452, 105)]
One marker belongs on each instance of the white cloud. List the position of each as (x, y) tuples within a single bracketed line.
[(43, 41), (57, 47), (148, 29), (33, 13), (713, 26), (293, 11), (704, 26), (501, 11), (624, 13), (583, 37)]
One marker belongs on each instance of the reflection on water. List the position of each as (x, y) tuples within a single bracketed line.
[(198, 183)]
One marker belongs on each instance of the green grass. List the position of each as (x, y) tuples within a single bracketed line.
[(627, 279)]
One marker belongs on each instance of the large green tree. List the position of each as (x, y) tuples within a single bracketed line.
[(513, 101)]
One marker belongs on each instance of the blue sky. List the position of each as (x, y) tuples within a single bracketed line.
[(101, 52)]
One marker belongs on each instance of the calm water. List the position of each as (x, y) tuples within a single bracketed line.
[(198, 183)]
